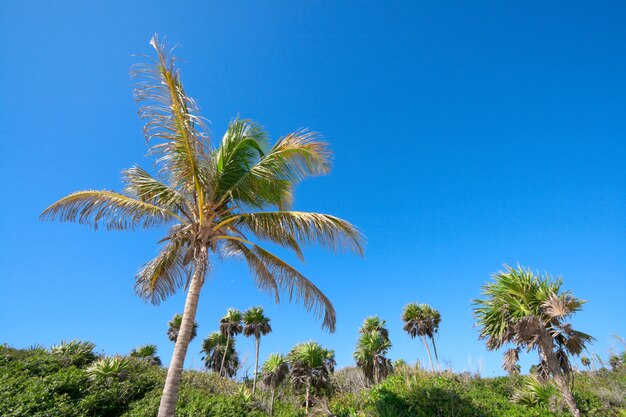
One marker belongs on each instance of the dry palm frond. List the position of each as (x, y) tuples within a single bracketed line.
[(285, 227), (163, 275), (263, 278), (116, 211), (511, 356)]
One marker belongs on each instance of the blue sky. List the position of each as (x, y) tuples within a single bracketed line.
[(466, 135)]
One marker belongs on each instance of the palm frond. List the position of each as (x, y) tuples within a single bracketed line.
[(113, 210), (299, 287), (144, 187), (289, 280), (270, 180), (263, 278), (162, 276), (290, 228), (172, 119)]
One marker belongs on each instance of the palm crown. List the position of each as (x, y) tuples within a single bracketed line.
[(212, 198), (230, 324), (256, 323), (173, 328)]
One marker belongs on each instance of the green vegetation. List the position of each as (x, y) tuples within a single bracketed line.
[(36, 382)]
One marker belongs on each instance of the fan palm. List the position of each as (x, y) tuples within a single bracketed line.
[(422, 320), (147, 353), (211, 198), (273, 373), (311, 366), (173, 328), (230, 325), (372, 346), (529, 311), (256, 324), (217, 354), (374, 323)]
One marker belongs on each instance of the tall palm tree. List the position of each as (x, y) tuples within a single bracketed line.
[(422, 320), (173, 328), (273, 373), (311, 366), (216, 353), (230, 325), (256, 324), (529, 311), (211, 198), (372, 347)]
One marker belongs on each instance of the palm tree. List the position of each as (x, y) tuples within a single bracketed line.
[(273, 373), (217, 354), (422, 320), (311, 366), (256, 324), (230, 325), (173, 328), (529, 311), (147, 353), (211, 197), (371, 350)]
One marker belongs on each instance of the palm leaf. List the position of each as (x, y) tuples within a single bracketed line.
[(162, 276), (270, 180), (116, 211), (141, 185), (288, 228), (173, 120)]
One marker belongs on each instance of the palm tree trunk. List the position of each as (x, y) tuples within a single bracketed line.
[(272, 402), (548, 355), (308, 395), (225, 353), (432, 340), (428, 351), (256, 364), (167, 407)]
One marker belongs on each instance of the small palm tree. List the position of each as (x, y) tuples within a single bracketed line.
[(372, 348), (216, 352), (256, 324), (173, 328), (585, 362), (230, 326), (529, 311), (147, 353), (422, 320), (273, 373), (311, 366)]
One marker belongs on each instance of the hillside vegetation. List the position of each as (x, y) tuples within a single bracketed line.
[(72, 380)]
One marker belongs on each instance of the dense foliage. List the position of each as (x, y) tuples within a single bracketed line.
[(38, 382)]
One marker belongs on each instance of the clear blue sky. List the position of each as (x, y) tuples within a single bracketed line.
[(466, 134)]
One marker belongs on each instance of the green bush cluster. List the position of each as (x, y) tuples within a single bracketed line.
[(420, 394), (57, 383)]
